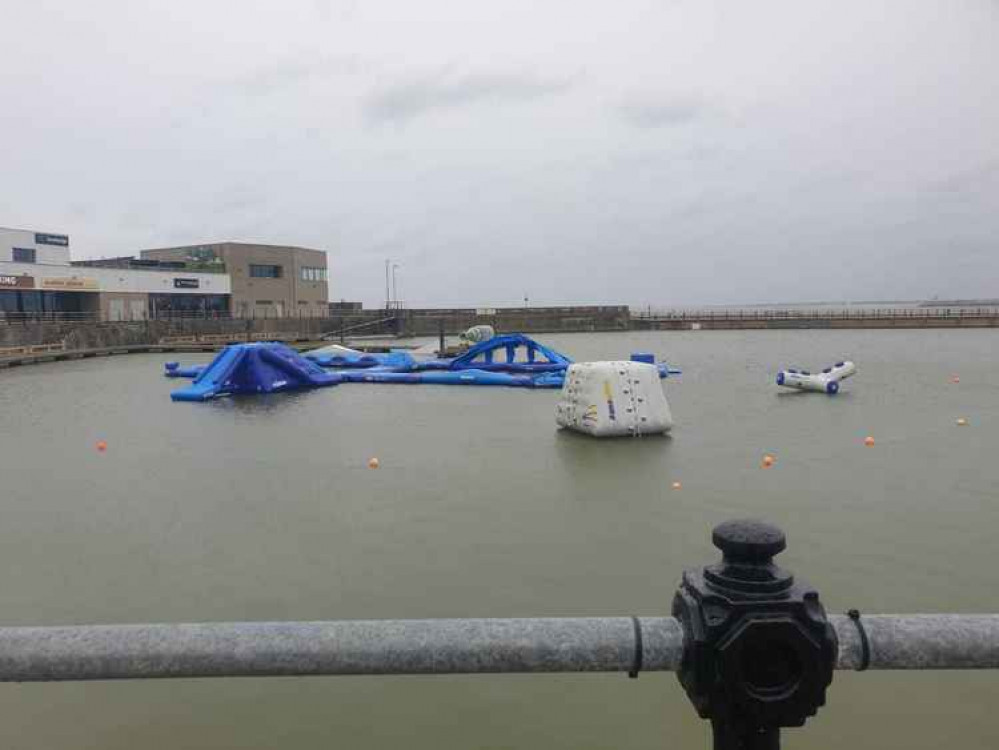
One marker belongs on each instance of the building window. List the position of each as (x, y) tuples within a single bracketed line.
[(24, 255), (313, 274), (265, 272)]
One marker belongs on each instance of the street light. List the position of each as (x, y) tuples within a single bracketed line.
[(395, 290), (388, 299)]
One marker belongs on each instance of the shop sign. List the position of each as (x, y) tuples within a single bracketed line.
[(186, 283), (71, 285), (17, 282), (61, 240)]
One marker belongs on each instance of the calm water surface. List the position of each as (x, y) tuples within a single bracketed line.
[(264, 509)]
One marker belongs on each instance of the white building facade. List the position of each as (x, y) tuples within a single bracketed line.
[(37, 279)]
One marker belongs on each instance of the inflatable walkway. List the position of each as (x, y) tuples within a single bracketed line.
[(253, 368), (500, 354)]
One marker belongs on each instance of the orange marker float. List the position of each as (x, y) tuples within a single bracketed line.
[(102, 446), (373, 463), (868, 441)]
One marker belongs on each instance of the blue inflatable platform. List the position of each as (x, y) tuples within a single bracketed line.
[(348, 359), (264, 367), (174, 370)]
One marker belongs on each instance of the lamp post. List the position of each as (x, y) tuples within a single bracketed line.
[(388, 299)]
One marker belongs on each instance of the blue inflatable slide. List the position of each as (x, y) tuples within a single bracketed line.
[(264, 367)]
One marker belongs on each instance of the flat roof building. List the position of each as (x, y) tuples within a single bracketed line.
[(267, 280), (37, 279)]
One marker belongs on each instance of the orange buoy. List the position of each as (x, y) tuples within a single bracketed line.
[(677, 486), (373, 463), (102, 446), (868, 441), (768, 461), (962, 421)]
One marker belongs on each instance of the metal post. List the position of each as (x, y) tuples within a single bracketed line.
[(388, 298), (440, 331), (759, 650)]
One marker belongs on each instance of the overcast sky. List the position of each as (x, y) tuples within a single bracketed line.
[(644, 152)]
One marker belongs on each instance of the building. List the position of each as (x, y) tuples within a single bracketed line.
[(267, 280), (38, 278)]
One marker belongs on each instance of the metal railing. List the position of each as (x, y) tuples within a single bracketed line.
[(437, 647), (344, 329), (815, 314), (751, 644), (34, 318)]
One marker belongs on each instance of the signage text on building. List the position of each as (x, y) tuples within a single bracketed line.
[(19, 282), (71, 285), (61, 240), (186, 283)]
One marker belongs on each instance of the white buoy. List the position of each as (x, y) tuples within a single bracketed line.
[(826, 381), (605, 399)]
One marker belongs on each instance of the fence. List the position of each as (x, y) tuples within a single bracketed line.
[(28, 318), (813, 314)]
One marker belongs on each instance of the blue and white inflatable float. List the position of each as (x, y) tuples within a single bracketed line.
[(826, 381)]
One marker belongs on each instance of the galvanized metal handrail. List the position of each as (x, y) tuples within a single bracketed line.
[(586, 644)]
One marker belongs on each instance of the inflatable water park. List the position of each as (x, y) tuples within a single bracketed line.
[(511, 360)]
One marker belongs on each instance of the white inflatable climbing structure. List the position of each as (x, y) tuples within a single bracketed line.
[(606, 399)]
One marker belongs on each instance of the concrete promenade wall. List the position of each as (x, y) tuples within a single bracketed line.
[(89, 335), (96, 335), (427, 322)]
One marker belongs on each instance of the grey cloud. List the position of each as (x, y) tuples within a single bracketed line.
[(665, 112), (406, 100), (273, 78), (968, 180), (691, 160), (324, 9)]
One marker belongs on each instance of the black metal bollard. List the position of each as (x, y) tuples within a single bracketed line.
[(758, 650)]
